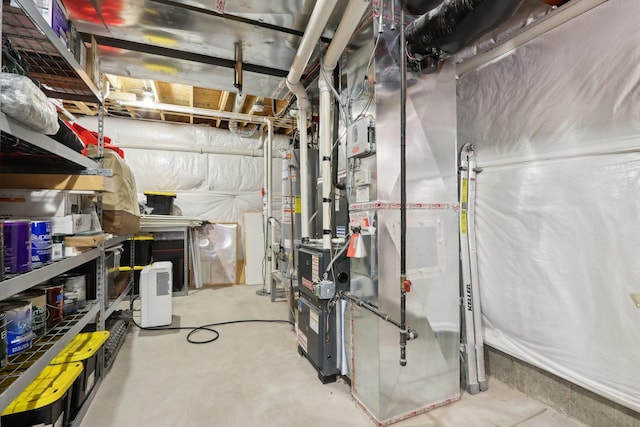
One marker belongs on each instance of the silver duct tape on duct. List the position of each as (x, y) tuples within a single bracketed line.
[(387, 391)]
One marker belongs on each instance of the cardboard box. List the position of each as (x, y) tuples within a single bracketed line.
[(34, 204), (71, 224)]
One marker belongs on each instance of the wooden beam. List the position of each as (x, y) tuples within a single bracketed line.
[(56, 182), (158, 96), (191, 104), (222, 105), (83, 108)]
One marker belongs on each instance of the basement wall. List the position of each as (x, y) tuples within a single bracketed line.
[(556, 125)]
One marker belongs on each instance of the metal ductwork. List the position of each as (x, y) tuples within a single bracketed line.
[(456, 24), (418, 7), (249, 130)]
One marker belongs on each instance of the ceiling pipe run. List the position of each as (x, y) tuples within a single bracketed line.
[(317, 22), (250, 152), (352, 15)]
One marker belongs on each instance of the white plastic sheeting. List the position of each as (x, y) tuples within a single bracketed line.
[(213, 187), (557, 130)]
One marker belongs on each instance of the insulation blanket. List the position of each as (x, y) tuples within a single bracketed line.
[(556, 126), (212, 187)]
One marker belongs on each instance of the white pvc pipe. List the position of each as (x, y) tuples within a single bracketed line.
[(318, 20), (194, 149), (304, 175), (350, 20)]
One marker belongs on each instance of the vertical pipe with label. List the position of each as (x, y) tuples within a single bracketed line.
[(403, 190)]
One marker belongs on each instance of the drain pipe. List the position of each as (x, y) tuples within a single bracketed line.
[(350, 20), (317, 22)]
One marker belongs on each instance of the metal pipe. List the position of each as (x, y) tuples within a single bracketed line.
[(403, 190), (411, 333)]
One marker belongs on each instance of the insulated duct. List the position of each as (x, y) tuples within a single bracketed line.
[(456, 24), (251, 129)]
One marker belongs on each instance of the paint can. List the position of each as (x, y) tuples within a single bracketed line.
[(77, 283), (55, 303), (18, 323), (70, 303), (40, 242), (38, 300), (39, 321), (17, 246), (57, 246), (3, 341)]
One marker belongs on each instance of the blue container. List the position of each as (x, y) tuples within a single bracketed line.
[(40, 242), (17, 246), (18, 326)]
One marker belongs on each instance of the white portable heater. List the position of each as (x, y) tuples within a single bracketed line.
[(156, 285)]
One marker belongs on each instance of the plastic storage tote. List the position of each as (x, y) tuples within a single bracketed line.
[(160, 201), (47, 400), (86, 348)]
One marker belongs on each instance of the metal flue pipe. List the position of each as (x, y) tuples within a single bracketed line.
[(319, 18)]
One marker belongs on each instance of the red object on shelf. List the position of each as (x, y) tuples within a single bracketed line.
[(555, 2), (91, 138)]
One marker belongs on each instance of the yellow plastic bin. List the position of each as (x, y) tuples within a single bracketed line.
[(47, 400), (86, 348)]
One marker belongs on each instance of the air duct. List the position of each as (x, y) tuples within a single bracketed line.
[(248, 131), (456, 24)]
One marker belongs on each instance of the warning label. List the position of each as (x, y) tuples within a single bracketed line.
[(302, 340), (313, 321)]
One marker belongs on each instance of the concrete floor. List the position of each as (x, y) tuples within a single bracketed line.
[(252, 375)]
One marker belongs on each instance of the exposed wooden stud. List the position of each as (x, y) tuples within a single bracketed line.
[(158, 97), (191, 104), (222, 105)]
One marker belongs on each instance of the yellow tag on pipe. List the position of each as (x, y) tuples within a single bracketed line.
[(465, 191), (463, 222)]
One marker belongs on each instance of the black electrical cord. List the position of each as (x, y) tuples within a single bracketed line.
[(208, 327)]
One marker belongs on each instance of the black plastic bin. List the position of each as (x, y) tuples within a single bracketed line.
[(86, 348), (160, 201), (142, 251), (47, 400)]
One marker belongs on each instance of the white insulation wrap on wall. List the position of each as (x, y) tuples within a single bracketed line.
[(556, 125), (213, 187)]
